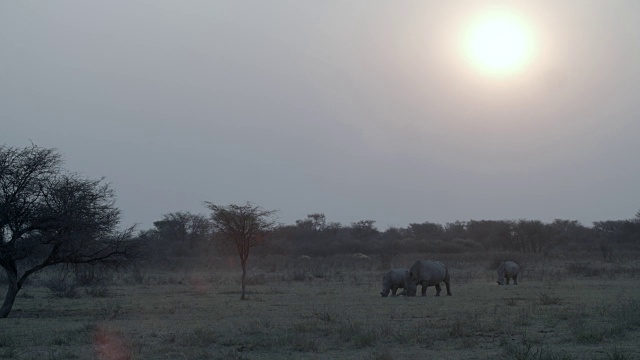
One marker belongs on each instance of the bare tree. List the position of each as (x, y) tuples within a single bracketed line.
[(51, 217), (243, 225)]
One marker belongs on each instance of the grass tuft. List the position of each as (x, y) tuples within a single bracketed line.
[(527, 349), (547, 299), (6, 341), (200, 337), (586, 332), (97, 291), (617, 355)]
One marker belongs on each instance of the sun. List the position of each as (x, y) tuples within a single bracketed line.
[(499, 43)]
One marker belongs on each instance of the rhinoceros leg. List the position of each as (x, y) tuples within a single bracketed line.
[(424, 290), (393, 290), (446, 283), (515, 280), (438, 289), (508, 279)]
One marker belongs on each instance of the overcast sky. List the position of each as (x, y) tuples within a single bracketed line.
[(357, 109)]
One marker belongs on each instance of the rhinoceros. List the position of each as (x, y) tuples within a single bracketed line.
[(508, 270), (426, 273), (393, 281)]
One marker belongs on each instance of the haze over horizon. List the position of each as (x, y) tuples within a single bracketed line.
[(358, 110)]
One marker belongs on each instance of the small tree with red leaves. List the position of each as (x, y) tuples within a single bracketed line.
[(245, 226)]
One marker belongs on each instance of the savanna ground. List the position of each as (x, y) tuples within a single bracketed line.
[(330, 308)]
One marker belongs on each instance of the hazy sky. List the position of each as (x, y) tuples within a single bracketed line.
[(357, 109)]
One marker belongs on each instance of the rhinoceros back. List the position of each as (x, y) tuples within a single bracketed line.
[(508, 269), (431, 272), (395, 277)]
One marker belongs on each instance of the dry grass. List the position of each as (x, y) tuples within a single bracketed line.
[(335, 312)]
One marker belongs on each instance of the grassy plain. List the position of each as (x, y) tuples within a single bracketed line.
[(330, 308)]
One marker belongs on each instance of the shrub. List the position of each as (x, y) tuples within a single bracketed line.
[(586, 333), (6, 340), (511, 301), (92, 275), (525, 350), (462, 328), (617, 355), (546, 299), (300, 275), (137, 276), (628, 312), (259, 278), (302, 343), (200, 337), (26, 295), (381, 354), (62, 288), (365, 338), (584, 269), (97, 291), (326, 314)]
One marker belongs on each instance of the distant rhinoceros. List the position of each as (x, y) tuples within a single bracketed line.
[(393, 281), (361, 256), (426, 273), (508, 270)]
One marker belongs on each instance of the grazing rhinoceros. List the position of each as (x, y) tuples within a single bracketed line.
[(508, 270), (393, 281), (426, 273)]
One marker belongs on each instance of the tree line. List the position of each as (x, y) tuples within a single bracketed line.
[(184, 234)]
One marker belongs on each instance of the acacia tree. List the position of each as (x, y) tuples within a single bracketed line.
[(245, 226), (191, 230), (49, 217)]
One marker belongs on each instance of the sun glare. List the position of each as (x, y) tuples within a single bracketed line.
[(499, 42)]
